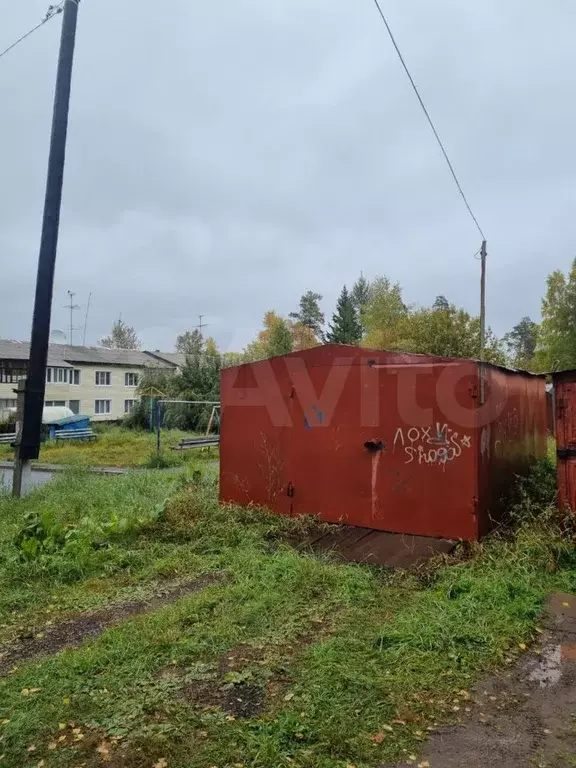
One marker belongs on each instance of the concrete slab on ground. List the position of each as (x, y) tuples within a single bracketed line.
[(372, 547)]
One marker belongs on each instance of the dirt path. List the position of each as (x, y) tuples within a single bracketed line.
[(69, 634), (525, 719)]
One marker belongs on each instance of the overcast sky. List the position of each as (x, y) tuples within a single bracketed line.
[(225, 157)]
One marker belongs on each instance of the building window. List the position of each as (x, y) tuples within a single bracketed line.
[(55, 403), (62, 376), (7, 402), (102, 406), (74, 406), (9, 375), (129, 405), (131, 379), (103, 379)]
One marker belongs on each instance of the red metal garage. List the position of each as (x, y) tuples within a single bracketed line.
[(382, 440)]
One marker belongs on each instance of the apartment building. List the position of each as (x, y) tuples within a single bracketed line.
[(94, 381)]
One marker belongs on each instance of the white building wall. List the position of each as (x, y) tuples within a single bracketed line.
[(117, 392), (88, 392)]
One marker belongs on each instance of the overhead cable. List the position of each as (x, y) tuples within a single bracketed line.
[(53, 10), (431, 123)]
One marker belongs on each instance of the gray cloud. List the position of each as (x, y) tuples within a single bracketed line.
[(224, 158)]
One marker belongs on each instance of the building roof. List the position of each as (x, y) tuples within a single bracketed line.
[(175, 358), (20, 350), (64, 355), (105, 356)]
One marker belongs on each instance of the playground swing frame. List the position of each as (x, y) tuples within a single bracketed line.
[(216, 406)]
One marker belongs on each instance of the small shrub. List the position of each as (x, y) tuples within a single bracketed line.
[(40, 535), (535, 494), (54, 546), (118, 525), (8, 426), (139, 416), (158, 461)]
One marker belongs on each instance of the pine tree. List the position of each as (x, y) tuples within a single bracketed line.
[(310, 315), (521, 342), (122, 336), (345, 327), (441, 303), (360, 293)]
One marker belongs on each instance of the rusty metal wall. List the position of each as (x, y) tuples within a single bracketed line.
[(512, 434), (565, 412), (368, 438)]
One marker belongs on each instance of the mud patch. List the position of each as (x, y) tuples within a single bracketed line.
[(242, 656), (245, 679), (237, 683), (70, 634), (240, 701), (524, 717)]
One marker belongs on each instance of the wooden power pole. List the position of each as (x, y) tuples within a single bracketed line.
[(29, 443), (483, 255)]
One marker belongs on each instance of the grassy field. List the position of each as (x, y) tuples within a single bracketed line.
[(117, 447), (276, 659)]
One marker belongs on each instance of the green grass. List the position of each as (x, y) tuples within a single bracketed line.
[(342, 650), (551, 448), (118, 447)]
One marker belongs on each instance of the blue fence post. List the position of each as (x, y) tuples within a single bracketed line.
[(158, 414)]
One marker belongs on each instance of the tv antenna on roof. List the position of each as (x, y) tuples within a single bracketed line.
[(201, 324), (72, 307)]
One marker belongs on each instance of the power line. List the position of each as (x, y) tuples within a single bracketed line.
[(53, 10), (438, 139)]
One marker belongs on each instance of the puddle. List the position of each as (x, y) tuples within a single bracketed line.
[(546, 670), (35, 479)]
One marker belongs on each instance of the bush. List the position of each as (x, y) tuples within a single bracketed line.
[(8, 426), (139, 416), (158, 461), (44, 545), (40, 535), (535, 494)]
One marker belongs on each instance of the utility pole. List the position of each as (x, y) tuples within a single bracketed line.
[(29, 444), (71, 307), (483, 255), (22, 469), (201, 324)]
